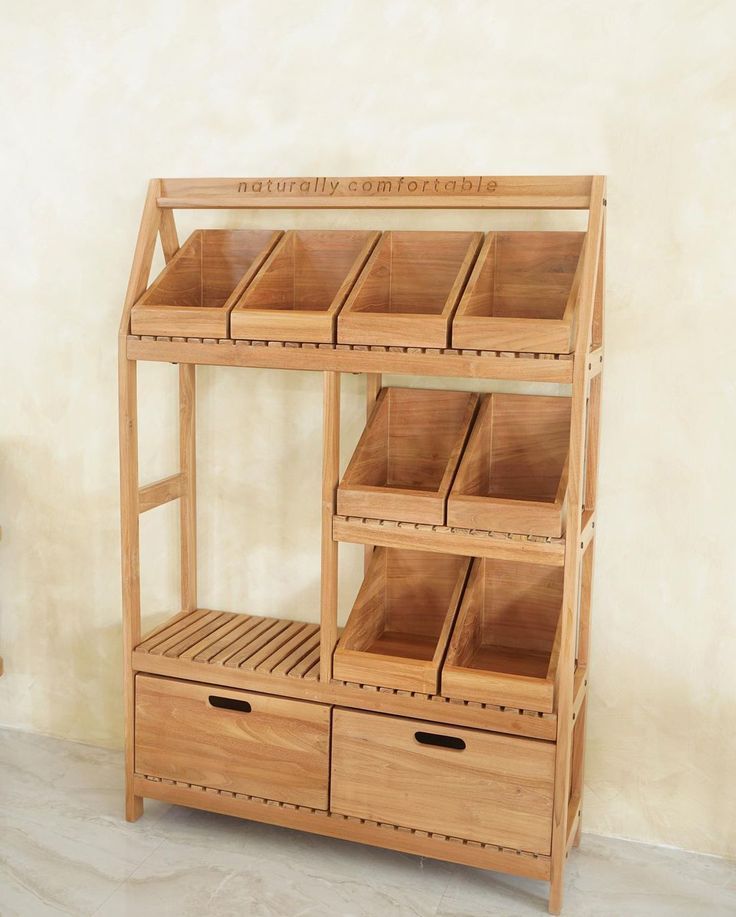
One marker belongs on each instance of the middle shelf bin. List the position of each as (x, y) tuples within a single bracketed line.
[(399, 626), (513, 473), (505, 644), (300, 289), (404, 463)]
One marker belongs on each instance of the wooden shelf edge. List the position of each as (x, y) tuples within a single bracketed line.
[(432, 708), (404, 840), (449, 540), (353, 358)]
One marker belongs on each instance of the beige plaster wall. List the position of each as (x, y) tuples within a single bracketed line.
[(97, 98)]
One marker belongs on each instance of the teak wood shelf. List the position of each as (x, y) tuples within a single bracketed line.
[(461, 676), (397, 632), (404, 463)]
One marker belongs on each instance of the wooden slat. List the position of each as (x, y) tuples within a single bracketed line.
[(242, 638), (445, 540), (260, 660), (168, 628), (253, 646), (345, 358), (159, 492), (187, 628), (300, 632), (379, 192), (296, 661)]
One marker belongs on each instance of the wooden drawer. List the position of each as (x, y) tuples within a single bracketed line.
[(479, 786), (255, 744)]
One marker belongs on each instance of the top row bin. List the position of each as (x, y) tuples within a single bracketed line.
[(193, 295), (402, 289)]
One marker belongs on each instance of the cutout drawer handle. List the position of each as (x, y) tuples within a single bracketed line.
[(229, 703), (434, 738)]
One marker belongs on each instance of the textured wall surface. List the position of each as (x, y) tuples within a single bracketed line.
[(97, 98)]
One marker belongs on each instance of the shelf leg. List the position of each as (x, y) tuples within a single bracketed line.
[(373, 382), (130, 551), (330, 474), (188, 502)]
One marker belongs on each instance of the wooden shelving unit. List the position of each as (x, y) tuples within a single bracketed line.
[(463, 669)]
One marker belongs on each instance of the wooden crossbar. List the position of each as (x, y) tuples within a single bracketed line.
[(455, 192), (159, 492)]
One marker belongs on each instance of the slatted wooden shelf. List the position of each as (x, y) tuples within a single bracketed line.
[(448, 539), (264, 646), (478, 364)]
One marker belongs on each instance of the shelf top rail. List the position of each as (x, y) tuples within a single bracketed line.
[(427, 192)]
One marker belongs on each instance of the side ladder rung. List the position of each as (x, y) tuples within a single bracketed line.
[(160, 492)]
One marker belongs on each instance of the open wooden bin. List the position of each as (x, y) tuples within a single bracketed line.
[(404, 463), (297, 295), (193, 295), (513, 473), (522, 294), (505, 644), (398, 630), (408, 292)]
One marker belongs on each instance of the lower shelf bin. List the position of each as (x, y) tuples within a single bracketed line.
[(398, 629), (464, 783), (238, 741), (505, 643)]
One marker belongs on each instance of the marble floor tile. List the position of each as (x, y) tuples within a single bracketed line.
[(66, 849)]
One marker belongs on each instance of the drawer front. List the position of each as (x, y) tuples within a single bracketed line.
[(479, 786), (255, 744)]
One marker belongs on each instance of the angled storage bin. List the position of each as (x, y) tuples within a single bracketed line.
[(505, 644), (193, 295), (399, 626), (407, 456), (409, 289), (299, 291), (522, 294), (513, 473)]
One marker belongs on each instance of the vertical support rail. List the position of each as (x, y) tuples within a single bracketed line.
[(188, 469), (330, 474), (129, 516), (373, 382), (575, 498)]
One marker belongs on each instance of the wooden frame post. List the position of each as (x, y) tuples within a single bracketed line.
[(129, 493), (373, 382), (330, 476), (575, 505)]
